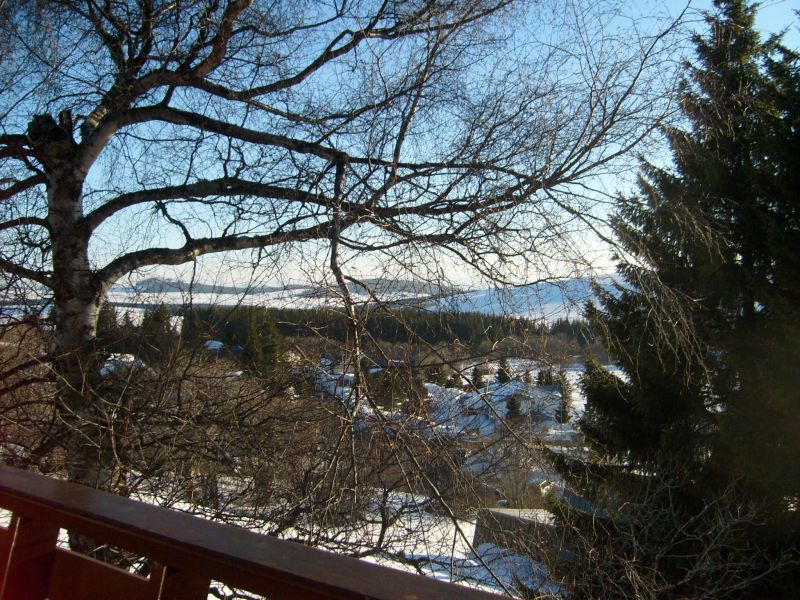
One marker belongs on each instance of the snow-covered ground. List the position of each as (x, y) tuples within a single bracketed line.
[(480, 414), (443, 549), (437, 546), (546, 300)]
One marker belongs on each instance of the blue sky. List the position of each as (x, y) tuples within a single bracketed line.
[(773, 16)]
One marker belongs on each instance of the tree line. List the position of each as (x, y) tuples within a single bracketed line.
[(409, 325), (237, 326)]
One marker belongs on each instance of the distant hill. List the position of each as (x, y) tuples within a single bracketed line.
[(545, 300), (157, 285)]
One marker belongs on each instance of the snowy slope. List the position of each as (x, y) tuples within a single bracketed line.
[(548, 300)]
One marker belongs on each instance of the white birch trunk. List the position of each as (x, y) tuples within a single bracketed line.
[(77, 294)]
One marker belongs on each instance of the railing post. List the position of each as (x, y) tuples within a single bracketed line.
[(29, 560), (180, 585)]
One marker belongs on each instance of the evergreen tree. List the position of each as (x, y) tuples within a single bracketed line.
[(564, 410), (399, 386), (513, 410), (157, 335), (249, 332), (706, 328), (263, 344), (128, 334), (108, 330), (545, 377), (383, 391), (503, 372), (476, 381), (416, 394), (193, 330), (455, 380), (437, 374)]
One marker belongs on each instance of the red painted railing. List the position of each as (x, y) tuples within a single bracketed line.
[(188, 553)]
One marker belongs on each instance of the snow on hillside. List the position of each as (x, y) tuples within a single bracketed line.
[(549, 300), (479, 414)]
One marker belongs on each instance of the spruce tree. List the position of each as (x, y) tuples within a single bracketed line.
[(545, 377), (438, 374), (129, 342), (108, 331), (157, 335), (564, 411), (455, 381), (263, 343), (476, 379), (706, 327), (193, 329), (503, 371), (513, 409)]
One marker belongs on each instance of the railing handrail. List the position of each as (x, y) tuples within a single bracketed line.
[(225, 553)]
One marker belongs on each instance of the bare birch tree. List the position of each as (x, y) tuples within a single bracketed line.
[(136, 134)]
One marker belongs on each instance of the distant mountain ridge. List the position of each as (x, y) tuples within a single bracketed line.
[(542, 300), (158, 285)]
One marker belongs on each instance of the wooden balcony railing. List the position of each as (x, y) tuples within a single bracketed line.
[(188, 554)]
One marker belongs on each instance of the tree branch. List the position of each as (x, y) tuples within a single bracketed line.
[(220, 42), (20, 221), (24, 272), (20, 186), (204, 123), (198, 247), (14, 146), (180, 117), (224, 186), (420, 22)]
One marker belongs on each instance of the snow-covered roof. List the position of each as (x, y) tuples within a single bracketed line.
[(532, 515)]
